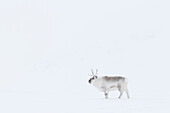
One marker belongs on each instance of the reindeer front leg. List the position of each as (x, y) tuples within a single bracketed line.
[(105, 92), (106, 95)]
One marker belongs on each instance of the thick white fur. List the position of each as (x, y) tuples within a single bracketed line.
[(105, 86)]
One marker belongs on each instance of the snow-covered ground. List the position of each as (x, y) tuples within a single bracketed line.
[(47, 48), (19, 102)]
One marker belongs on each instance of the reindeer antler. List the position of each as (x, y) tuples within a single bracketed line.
[(92, 71), (96, 72)]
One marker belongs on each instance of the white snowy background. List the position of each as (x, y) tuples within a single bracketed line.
[(47, 48)]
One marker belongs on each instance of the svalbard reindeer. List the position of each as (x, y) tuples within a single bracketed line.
[(109, 83)]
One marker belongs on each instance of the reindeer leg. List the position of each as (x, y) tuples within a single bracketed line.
[(120, 95), (121, 91), (127, 92), (106, 95)]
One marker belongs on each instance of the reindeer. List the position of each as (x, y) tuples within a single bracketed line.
[(109, 83)]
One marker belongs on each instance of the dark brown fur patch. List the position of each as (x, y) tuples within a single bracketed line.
[(113, 78), (90, 80)]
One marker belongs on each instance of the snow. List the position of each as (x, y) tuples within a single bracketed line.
[(47, 49), (45, 103)]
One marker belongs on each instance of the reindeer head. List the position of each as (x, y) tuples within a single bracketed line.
[(94, 76)]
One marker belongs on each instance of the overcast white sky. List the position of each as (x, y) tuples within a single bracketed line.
[(43, 42)]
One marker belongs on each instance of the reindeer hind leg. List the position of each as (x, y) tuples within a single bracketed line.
[(127, 92), (121, 90)]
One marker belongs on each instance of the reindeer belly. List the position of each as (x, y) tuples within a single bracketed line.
[(111, 87), (103, 86)]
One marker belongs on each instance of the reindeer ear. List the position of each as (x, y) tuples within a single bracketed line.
[(95, 76)]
